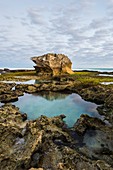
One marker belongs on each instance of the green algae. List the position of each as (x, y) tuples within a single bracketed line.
[(80, 77)]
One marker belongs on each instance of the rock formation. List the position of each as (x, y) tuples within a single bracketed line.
[(46, 143), (52, 64), (7, 94)]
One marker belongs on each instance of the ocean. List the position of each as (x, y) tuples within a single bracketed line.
[(95, 69), (89, 69), (17, 68)]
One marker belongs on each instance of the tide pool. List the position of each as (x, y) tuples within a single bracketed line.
[(106, 75), (107, 83), (22, 82), (53, 104)]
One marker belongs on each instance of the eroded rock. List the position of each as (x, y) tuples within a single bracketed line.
[(7, 94), (97, 138), (52, 64), (46, 143)]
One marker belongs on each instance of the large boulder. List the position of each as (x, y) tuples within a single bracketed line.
[(52, 64)]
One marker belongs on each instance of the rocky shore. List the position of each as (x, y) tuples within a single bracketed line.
[(47, 143)]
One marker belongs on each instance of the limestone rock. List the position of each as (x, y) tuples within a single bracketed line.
[(7, 94), (52, 64), (46, 143)]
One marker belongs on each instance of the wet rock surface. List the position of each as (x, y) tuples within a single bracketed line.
[(47, 143), (103, 96), (7, 94), (97, 138)]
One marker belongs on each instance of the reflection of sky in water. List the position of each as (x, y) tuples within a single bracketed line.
[(71, 105), (107, 83), (21, 82), (1, 104), (108, 75), (97, 141)]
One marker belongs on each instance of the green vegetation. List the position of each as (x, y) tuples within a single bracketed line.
[(20, 75), (85, 78), (90, 78), (85, 73)]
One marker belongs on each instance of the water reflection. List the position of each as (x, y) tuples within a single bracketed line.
[(1, 104), (25, 81), (51, 95), (106, 75), (96, 143), (107, 83), (22, 82), (53, 104)]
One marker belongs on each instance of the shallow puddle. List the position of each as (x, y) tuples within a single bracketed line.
[(22, 82), (107, 83), (106, 75)]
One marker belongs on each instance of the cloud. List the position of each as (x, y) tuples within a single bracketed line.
[(73, 37), (74, 28), (37, 17), (95, 24), (3, 38), (7, 17)]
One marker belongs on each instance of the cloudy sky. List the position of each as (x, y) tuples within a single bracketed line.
[(81, 29)]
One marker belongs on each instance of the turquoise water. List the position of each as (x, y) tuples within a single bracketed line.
[(96, 69), (53, 104), (92, 69)]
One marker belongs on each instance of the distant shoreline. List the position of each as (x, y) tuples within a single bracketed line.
[(2, 68), (94, 69), (102, 70)]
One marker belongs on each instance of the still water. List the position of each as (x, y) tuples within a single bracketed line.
[(53, 104), (107, 83), (22, 82)]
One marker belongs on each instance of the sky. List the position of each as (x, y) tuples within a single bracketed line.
[(80, 29)]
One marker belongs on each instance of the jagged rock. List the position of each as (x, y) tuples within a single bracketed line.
[(109, 101), (86, 122), (18, 139), (102, 165), (97, 138), (5, 87), (44, 143), (7, 94), (52, 64)]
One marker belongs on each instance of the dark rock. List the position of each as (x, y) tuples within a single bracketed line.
[(86, 122), (109, 101), (44, 143), (97, 138), (7, 94), (5, 87), (47, 143), (11, 96)]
